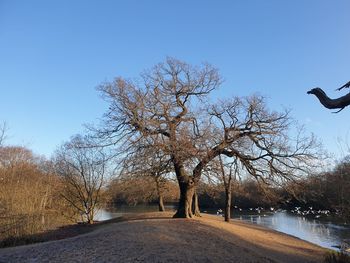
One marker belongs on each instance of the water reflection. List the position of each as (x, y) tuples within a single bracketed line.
[(325, 234), (317, 232), (103, 214)]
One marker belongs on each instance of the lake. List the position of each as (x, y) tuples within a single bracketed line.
[(322, 232)]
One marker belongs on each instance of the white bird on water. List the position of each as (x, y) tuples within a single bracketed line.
[(219, 212)]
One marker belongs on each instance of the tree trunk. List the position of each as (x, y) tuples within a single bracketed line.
[(187, 188), (228, 195), (90, 218), (197, 212), (184, 209), (161, 204), (160, 195)]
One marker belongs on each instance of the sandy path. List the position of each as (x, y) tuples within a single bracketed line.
[(170, 240)]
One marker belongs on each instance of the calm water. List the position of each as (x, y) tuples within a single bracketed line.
[(321, 232), (325, 234)]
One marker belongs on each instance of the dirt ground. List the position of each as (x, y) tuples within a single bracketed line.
[(156, 237)]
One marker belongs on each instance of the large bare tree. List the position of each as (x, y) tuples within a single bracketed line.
[(171, 105)]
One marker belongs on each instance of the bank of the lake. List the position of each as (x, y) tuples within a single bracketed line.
[(156, 237), (323, 231)]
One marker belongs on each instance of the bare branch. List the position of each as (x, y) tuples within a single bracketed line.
[(3, 131)]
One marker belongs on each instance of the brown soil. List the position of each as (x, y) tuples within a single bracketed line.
[(156, 237)]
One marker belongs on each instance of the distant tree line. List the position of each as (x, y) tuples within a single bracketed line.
[(321, 191), (142, 190), (325, 190), (30, 196)]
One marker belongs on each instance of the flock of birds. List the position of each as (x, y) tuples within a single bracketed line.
[(304, 212), (297, 210)]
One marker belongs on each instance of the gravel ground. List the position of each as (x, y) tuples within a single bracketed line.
[(170, 240)]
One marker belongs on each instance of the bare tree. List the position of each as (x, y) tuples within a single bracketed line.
[(83, 170), (228, 173), (171, 106), (3, 130), (223, 170), (149, 162)]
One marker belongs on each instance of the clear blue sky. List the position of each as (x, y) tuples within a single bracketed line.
[(54, 53)]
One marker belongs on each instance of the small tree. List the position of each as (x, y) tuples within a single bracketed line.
[(83, 171), (227, 177), (223, 171), (148, 162)]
